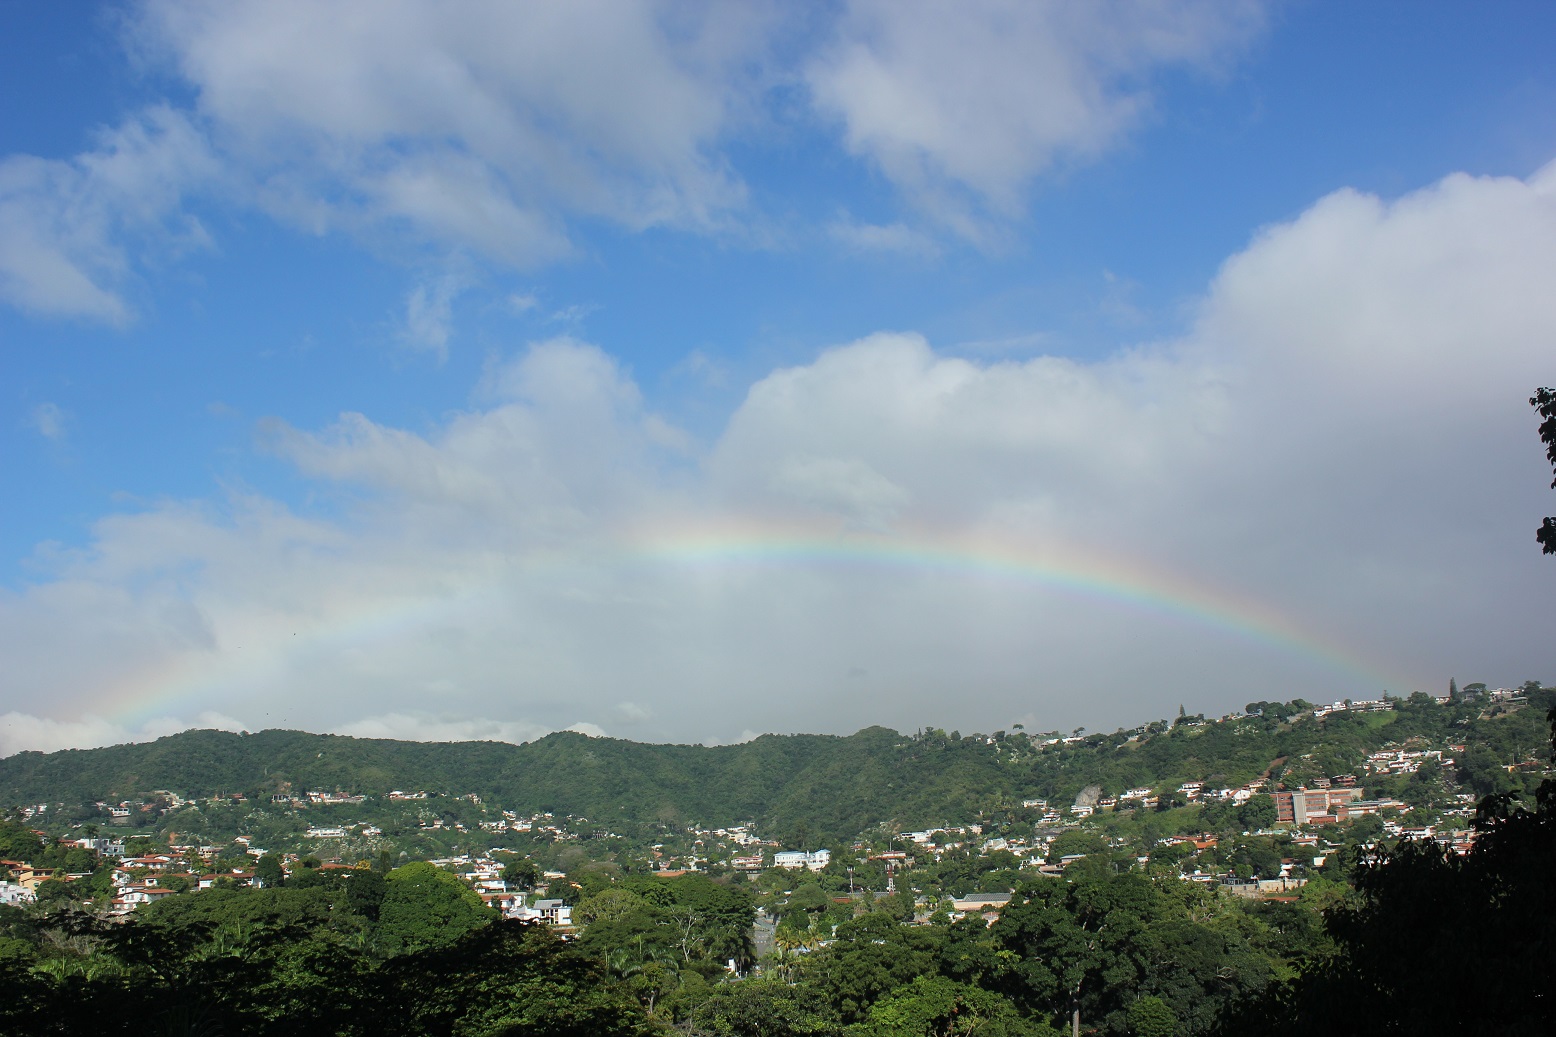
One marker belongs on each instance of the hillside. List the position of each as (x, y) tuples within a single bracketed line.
[(825, 785), (829, 783)]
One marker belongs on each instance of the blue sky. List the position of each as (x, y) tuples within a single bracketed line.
[(534, 367)]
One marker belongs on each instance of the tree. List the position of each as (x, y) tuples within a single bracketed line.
[(764, 1008), (610, 905), (510, 978), (1150, 1017), (870, 957), (809, 898), (1544, 401), (934, 1005), (1259, 812), (1079, 943), (425, 906), (1419, 917), (268, 873), (521, 874)]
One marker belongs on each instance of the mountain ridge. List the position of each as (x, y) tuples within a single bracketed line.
[(826, 786)]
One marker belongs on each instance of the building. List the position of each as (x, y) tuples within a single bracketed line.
[(1303, 805), (815, 861), (551, 912), (1257, 888), (28, 877), (15, 895), (981, 903)]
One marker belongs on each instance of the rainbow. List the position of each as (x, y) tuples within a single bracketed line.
[(188, 682), (1067, 567)]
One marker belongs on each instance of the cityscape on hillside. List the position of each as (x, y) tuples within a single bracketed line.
[(1262, 837)]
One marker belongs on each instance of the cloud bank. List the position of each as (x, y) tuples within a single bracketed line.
[(1337, 449)]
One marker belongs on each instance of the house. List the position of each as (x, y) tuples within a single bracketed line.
[(981, 903), (814, 861), (100, 845), (15, 895), (132, 897), (1262, 888), (236, 876), (898, 857), (551, 912), (28, 877)]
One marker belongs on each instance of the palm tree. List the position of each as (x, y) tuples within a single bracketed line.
[(787, 940)]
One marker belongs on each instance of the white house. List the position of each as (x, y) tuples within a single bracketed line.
[(800, 859), (14, 895), (551, 912)]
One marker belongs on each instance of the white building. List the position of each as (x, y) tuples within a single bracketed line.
[(15, 896), (800, 859), (551, 912)]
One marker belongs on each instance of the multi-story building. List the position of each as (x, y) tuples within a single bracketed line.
[(800, 859), (1302, 805)]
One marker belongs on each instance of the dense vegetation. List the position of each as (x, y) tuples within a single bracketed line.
[(1423, 941), (1384, 937), (413, 952), (814, 789)]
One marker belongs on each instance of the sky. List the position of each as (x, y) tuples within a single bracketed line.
[(689, 371)]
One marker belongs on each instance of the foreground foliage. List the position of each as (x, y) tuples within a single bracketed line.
[(1417, 939), (1434, 942)]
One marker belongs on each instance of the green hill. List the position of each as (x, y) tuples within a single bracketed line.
[(830, 786)]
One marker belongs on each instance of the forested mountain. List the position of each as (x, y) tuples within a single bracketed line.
[(775, 778), (1116, 922), (826, 786)]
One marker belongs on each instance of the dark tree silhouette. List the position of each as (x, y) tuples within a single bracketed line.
[(1544, 401)]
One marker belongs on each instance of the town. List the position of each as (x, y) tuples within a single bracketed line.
[(1263, 837)]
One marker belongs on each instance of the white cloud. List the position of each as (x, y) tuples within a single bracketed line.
[(1338, 443), (49, 421), (429, 314), (24, 731), (961, 105), (633, 713), (67, 227), (485, 128), (422, 727), (566, 442), (477, 126), (494, 130), (956, 436), (845, 486), (897, 238)]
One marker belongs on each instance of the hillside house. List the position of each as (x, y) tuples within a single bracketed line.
[(814, 861), (13, 894)]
